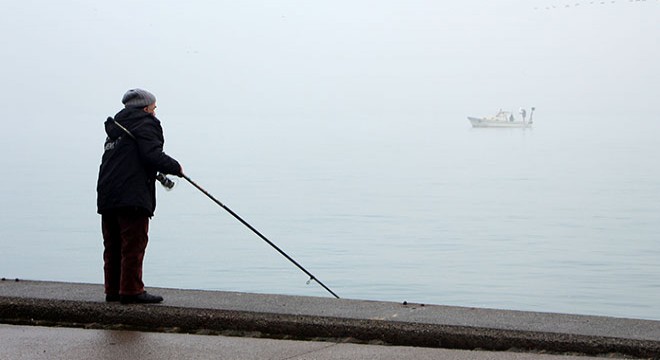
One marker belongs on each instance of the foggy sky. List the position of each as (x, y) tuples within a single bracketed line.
[(296, 58), (307, 68)]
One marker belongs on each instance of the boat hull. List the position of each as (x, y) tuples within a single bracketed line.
[(490, 123)]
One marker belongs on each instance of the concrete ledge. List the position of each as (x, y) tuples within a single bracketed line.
[(279, 316)]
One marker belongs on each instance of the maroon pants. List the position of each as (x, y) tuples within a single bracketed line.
[(125, 241)]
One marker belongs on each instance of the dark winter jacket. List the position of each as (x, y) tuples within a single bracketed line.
[(128, 167)]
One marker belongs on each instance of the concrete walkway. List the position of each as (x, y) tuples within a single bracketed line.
[(330, 320), (34, 343)]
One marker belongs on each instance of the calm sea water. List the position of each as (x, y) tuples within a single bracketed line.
[(560, 218)]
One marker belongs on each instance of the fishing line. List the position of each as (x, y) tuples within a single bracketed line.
[(311, 276)]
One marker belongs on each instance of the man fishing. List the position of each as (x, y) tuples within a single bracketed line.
[(126, 193)]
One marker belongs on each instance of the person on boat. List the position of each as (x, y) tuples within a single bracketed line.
[(126, 193), (523, 113)]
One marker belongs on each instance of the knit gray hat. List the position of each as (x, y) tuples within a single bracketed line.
[(138, 98)]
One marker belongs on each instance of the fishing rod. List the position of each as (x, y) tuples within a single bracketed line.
[(169, 184), (311, 276)]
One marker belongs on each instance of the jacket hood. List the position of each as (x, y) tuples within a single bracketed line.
[(128, 118), (112, 130)]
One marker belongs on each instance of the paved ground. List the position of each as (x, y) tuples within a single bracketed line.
[(328, 319), (34, 343)]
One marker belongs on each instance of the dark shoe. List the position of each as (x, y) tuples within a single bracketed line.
[(143, 298), (111, 298)]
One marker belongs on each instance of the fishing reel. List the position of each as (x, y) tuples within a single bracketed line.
[(167, 183)]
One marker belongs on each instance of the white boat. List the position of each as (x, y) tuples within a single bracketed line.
[(503, 119)]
